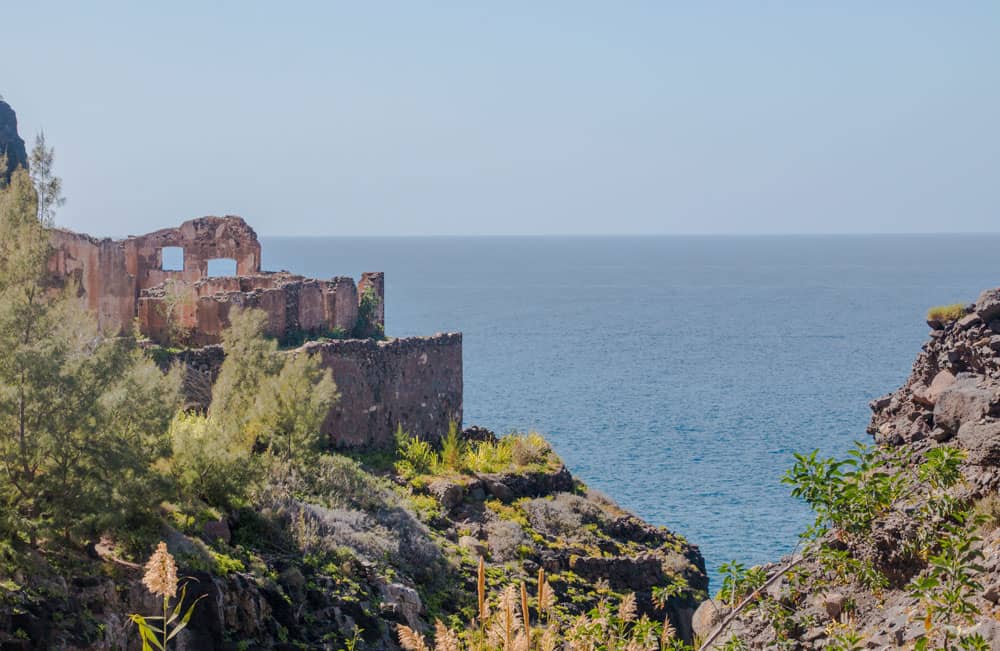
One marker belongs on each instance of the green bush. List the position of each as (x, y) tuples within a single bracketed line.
[(416, 456), (208, 462)]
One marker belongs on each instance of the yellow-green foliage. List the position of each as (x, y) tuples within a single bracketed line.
[(209, 461), (452, 449), (416, 457), (946, 312), (513, 513)]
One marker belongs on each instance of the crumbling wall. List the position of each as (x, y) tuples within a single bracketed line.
[(414, 382), (124, 280), (99, 269), (202, 239)]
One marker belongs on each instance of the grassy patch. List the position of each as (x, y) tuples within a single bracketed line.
[(951, 312)]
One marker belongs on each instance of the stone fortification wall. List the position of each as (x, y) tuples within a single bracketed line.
[(415, 382)]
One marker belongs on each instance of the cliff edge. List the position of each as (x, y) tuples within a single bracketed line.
[(11, 144), (905, 552)]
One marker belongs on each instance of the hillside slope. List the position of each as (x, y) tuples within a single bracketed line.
[(361, 547)]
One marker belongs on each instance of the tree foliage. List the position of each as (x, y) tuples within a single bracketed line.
[(82, 417)]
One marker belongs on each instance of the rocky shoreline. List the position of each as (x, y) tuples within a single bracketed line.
[(951, 400)]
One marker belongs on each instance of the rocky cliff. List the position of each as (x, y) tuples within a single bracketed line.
[(361, 547), (11, 144), (923, 566)]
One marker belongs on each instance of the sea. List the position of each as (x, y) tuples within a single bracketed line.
[(677, 375)]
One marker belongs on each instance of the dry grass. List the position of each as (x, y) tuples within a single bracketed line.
[(507, 622), (943, 313)]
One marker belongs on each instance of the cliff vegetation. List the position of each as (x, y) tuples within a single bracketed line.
[(280, 542)]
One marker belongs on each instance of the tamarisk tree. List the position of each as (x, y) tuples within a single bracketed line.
[(82, 416)]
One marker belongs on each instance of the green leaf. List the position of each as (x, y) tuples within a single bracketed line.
[(187, 617)]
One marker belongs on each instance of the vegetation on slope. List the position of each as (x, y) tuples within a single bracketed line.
[(297, 546)]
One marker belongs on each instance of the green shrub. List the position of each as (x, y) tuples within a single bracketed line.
[(207, 462), (452, 449), (738, 582), (416, 456), (946, 312), (529, 449)]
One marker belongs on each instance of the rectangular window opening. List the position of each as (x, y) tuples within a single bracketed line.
[(222, 267), (172, 258)]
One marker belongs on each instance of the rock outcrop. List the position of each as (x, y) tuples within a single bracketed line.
[(952, 398), (11, 144)]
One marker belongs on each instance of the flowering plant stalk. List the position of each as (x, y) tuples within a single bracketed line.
[(161, 579)]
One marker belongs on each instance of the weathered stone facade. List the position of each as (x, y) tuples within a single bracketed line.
[(415, 382), (123, 280)]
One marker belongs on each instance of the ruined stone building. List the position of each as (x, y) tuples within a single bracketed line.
[(414, 382)]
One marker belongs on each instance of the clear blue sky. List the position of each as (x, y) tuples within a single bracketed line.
[(515, 118)]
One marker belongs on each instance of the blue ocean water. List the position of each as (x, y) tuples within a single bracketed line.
[(675, 374)]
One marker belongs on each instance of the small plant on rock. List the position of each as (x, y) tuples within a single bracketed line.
[(946, 313)]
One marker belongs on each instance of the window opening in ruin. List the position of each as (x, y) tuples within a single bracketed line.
[(172, 258), (222, 267)]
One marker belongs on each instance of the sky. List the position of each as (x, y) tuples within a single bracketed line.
[(476, 118)]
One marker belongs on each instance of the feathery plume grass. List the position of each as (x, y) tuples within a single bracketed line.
[(410, 639), (161, 573), (669, 632), (160, 579), (627, 609), (525, 614), (444, 638)]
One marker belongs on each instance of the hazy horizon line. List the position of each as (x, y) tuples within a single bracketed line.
[(629, 235)]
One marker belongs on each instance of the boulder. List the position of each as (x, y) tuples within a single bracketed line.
[(473, 545), (709, 615), (448, 493), (981, 441), (404, 603), (965, 400), (218, 529), (833, 604), (968, 321), (939, 384), (988, 305), (634, 573)]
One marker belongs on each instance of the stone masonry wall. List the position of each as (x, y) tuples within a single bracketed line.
[(414, 382), (121, 280)]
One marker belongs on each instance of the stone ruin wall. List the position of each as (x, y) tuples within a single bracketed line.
[(123, 280), (414, 382)]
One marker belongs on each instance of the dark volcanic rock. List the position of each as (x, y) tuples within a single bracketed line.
[(988, 305), (11, 143), (966, 400)]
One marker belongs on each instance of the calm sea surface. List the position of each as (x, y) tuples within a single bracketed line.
[(676, 374)]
